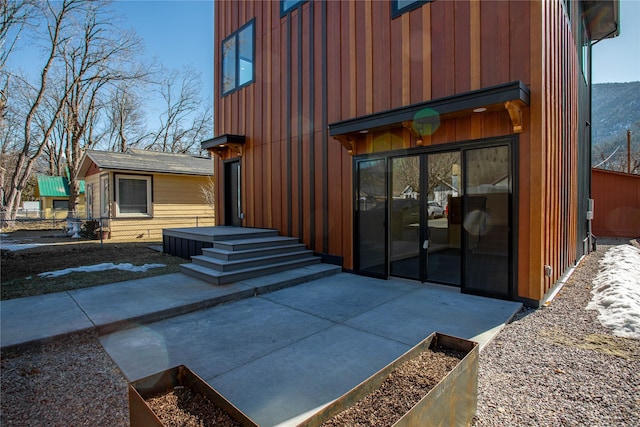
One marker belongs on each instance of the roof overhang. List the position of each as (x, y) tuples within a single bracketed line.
[(223, 143), (420, 118), (602, 18)]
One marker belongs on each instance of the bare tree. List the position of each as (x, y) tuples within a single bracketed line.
[(101, 57), (185, 121), (36, 133), (125, 118)]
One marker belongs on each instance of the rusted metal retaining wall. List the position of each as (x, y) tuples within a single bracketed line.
[(616, 204)]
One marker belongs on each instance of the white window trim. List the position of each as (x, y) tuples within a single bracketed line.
[(104, 196), (147, 178)]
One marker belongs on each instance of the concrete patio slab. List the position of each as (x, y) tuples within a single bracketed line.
[(341, 296), (281, 356), (411, 317), (210, 341), (295, 380), (40, 318), (112, 307)]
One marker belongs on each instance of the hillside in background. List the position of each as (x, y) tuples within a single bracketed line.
[(615, 109)]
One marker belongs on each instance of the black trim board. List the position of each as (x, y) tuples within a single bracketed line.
[(221, 140), (485, 97)]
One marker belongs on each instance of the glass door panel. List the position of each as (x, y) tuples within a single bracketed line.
[(443, 212), (371, 217), (487, 220), (405, 222)]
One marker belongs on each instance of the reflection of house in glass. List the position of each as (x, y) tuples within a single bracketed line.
[(361, 119)]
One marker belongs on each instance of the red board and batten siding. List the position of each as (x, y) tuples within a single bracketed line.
[(616, 199), (375, 63)]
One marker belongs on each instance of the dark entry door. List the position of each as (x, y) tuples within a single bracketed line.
[(371, 217), (232, 208), (424, 241), (487, 221)]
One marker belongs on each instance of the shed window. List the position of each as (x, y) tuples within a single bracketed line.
[(238, 57), (60, 205), (133, 195), (398, 7), (287, 5)]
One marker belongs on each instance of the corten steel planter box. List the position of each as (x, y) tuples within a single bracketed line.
[(451, 402), (141, 415)]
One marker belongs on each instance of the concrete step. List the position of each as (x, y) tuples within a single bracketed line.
[(254, 243), (227, 255), (228, 266), (223, 277)]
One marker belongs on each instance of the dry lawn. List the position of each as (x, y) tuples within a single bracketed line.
[(19, 269)]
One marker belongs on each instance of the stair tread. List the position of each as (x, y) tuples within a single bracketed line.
[(247, 251), (217, 273), (213, 260)]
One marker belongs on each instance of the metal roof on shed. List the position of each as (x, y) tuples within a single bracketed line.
[(151, 161), (55, 186)]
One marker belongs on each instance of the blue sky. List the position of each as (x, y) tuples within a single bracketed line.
[(178, 33), (618, 59)]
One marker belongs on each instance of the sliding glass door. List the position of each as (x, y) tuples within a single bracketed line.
[(441, 217), (424, 244), (487, 220), (371, 217)]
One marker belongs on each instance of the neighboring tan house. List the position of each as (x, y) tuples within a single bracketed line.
[(53, 193), (137, 193), (325, 111)]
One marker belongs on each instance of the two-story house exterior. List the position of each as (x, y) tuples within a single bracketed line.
[(327, 111)]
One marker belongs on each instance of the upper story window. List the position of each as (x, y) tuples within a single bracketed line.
[(238, 58), (398, 7), (287, 5)]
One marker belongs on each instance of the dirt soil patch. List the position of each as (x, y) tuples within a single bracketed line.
[(400, 391), (20, 268), (182, 407)]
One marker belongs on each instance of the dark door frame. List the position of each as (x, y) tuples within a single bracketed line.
[(512, 141), (232, 193)]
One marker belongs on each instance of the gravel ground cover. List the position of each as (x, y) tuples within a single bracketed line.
[(555, 366)]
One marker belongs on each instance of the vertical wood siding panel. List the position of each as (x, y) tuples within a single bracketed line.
[(519, 49), (319, 186), (462, 52), (217, 42), (548, 71), (442, 49), (474, 44), (353, 63), (406, 58), (531, 234), (267, 7), (362, 35), (368, 57), (426, 52), (334, 89), (381, 55), (395, 53), (276, 189), (416, 53), (495, 42), (344, 51)]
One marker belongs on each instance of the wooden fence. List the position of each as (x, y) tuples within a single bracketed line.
[(616, 204)]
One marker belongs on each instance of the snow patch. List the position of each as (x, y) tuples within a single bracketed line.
[(616, 291), (101, 267)]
